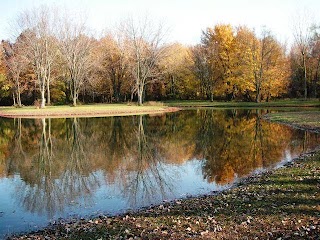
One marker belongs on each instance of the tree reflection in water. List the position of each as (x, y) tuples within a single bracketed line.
[(16, 149), (52, 186), (242, 142), (145, 177), (77, 179), (59, 159)]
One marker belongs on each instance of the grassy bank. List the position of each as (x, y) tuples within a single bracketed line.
[(280, 204), (222, 104), (153, 108), (83, 110), (306, 120)]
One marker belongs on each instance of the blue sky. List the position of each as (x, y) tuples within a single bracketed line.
[(185, 18)]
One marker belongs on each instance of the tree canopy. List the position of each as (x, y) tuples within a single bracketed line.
[(55, 60)]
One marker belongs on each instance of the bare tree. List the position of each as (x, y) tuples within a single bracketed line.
[(302, 36), (16, 62), (36, 27), (75, 47), (146, 48)]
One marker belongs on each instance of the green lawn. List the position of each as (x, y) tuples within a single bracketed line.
[(304, 119), (222, 104)]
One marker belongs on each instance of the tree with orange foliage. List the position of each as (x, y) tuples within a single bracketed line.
[(113, 67)]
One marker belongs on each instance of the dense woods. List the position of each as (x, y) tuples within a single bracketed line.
[(55, 60)]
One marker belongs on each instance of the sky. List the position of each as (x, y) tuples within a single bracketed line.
[(185, 19)]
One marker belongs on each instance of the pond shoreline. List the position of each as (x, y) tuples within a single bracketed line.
[(280, 203), (84, 112), (299, 120)]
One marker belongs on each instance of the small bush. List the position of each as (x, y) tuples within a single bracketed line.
[(37, 103), (153, 103)]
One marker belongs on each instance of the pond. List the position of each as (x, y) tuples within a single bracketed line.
[(81, 167)]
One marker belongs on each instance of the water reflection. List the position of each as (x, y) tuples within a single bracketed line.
[(63, 160), (237, 142), (52, 168)]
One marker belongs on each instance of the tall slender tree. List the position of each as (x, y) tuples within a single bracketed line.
[(146, 48), (16, 62), (302, 36), (37, 27), (75, 47)]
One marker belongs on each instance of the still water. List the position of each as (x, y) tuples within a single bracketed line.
[(80, 167)]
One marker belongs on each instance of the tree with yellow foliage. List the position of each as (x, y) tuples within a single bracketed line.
[(238, 64), (243, 76), (218, 44), (271, 71), (177, 66)]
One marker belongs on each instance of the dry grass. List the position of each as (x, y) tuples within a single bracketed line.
[(83, 111), (154, 103)]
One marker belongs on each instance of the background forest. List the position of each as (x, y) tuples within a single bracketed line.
[(55, 60)]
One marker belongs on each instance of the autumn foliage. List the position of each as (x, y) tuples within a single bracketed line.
[(64, 64)]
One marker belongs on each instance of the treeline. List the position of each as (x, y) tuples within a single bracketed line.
[(54, 60)]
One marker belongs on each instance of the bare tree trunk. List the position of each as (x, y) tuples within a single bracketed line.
[(140, 95), (43, 99), (16, 62), (18, 92), (305, 75), (258, 95), (38, 37), (258, 88), (316, 78), (74, 101), (48, 87), (14, 99)]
